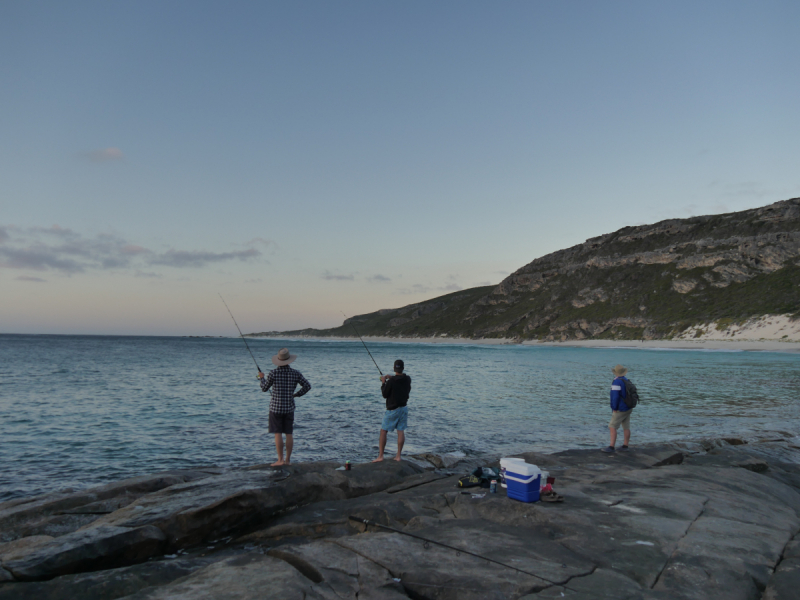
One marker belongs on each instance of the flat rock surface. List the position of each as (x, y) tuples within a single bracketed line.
[(706, 519)]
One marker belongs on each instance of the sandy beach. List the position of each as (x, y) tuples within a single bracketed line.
[(770, 333), (732, 345)]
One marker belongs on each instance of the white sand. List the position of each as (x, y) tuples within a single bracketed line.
[(771, 333), (769, 327)]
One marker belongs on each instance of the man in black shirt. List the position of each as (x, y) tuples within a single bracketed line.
[(396, 390)]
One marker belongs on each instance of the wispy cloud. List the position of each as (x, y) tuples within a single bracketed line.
[(66, 251), (105, 154), (334, 277), (259, 241), (29, 278), (419, 288), (378, 279), (199, 258)]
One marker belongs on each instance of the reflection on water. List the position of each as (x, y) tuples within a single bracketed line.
[(80, 410)]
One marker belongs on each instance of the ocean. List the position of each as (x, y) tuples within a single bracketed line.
[(85, 410)]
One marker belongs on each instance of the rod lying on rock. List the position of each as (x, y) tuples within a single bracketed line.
[(458, 551)]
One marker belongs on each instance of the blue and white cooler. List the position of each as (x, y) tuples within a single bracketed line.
[(523, 480)]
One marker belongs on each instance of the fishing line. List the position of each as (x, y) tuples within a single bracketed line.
[(362, 341), (458, 551), (240, 332)]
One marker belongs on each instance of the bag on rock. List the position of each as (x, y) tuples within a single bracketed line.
[(469, 481)]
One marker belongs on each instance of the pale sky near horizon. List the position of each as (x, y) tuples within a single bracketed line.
[(307, 158)]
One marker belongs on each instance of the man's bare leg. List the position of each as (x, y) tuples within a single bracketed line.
[(279, 448), (613, 436), (381, 446), (401, 439), (289, 444), (626, 436)]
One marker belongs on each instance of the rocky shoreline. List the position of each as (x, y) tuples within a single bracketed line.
[(708, 519)]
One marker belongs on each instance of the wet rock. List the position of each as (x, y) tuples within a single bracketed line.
[(246, 577), (89, 550), (347, 573), (5, 576), (785, 582), (22, 546), (593, 586), (220, 505), (57, 514), (753, 464), (104, 585), (668, 521)]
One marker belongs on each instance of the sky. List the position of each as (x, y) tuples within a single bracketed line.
[(305, 159)]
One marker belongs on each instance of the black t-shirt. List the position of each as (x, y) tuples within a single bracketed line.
[(396, 391)]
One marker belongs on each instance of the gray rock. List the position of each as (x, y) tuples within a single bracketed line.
[(22, 546), (104, 585), (57, 514), (245, 577), (90, 550), (660, 522)]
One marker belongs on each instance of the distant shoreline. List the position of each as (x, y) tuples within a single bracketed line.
[(731, 345)]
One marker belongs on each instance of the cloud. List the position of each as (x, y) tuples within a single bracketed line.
[(147, 274), (378, 279), (419, 288), (259, 241), (199, 258), (106, 154), (331, 277), (29, 278), (64, 250)]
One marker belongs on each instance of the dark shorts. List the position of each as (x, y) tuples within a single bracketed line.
[(281, 423)]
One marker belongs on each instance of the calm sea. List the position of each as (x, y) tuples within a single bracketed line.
[(83, 410)]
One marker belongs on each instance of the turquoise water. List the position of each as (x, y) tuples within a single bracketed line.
[(82, 410)]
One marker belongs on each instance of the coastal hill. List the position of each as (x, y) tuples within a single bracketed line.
[(644, 282)]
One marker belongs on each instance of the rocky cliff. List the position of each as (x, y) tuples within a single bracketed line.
[(643, 282)]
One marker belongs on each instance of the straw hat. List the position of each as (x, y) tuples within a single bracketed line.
[(619, 370), (283, 358)]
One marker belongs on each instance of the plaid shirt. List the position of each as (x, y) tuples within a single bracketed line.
[(285, 379)]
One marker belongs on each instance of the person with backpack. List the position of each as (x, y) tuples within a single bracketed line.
[(623, 399)]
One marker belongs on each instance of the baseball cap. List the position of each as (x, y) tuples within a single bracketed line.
[(398, 366)]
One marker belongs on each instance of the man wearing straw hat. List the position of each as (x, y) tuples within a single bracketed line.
[(620, 412), (283, 382)]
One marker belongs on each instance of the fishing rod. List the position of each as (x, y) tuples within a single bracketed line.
[(240, 332), (362, 341)]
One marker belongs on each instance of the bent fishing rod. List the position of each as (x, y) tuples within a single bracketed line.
[(362, 341), (240, 333)]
